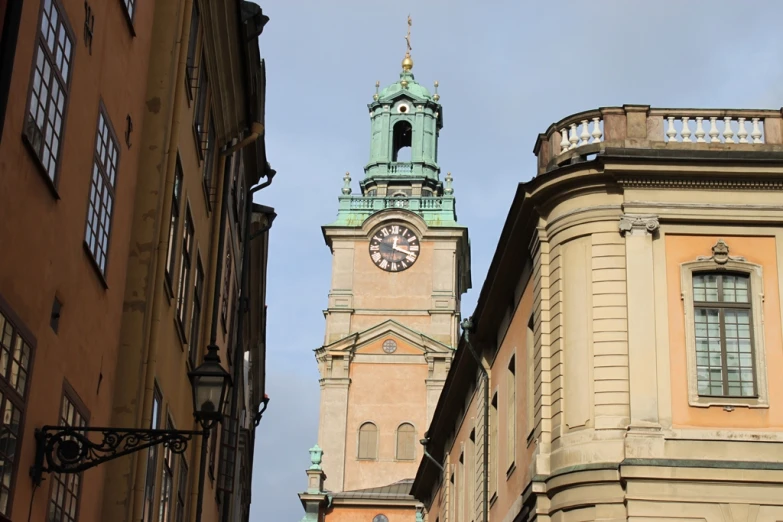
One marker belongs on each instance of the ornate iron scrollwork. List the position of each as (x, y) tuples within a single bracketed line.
[(61, 449)]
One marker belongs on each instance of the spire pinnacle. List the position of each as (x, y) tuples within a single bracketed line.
[(407, 62)]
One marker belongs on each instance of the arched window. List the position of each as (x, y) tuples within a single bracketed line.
[(380, 518), (406, 439), (368, 441), (401, 141)]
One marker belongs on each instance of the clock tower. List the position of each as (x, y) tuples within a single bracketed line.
[(400, 264)]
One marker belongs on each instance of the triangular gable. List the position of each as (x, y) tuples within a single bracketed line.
[(381, 331), (403, 93)]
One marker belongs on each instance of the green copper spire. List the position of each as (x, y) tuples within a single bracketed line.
[(403, 171)]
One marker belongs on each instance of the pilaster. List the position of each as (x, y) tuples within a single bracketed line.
[(638, 231)]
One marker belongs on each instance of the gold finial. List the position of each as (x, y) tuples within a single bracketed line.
[(436, 96), (407, 62), (377, 84)]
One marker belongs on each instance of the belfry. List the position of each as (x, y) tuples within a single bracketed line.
[(400, 264)]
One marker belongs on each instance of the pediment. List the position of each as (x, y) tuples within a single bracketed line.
[(409, 341)]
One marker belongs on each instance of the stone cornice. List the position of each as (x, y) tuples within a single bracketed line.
[(697, 183)]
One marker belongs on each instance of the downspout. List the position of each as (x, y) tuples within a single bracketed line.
[(144, 417), (424, 443), (467, 327)]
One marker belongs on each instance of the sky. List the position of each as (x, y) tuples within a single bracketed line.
[(507, 70)]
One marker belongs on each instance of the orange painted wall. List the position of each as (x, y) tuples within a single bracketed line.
[(366, 514), (387, 395), (759, 250)]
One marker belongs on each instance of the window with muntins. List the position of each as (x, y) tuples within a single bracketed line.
[(511, 412), (152, 461), (195, 24), (43, 127), (15, 357), (209, 158), (226, 292), (195, 313), (176, 199), (200, 111), (66, 487), (493, 446), (183, 289), (101, 205), (406, 436), (182, 489), (167, 481), (368, 441), (724, 339)]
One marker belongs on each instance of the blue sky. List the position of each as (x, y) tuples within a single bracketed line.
[(507, 70)]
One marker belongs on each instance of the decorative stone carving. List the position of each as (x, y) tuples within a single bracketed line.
[(316, 454), (347, 184), (635, 224), (720, 254), (448, 190)]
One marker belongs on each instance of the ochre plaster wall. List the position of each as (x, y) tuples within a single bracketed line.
[(366, 514), (759, 250), (387, 395)]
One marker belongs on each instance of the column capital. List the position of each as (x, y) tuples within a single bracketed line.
[(636, 224)]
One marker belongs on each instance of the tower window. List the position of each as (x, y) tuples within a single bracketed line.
[(389, 346), (401, 141), (368, 441), (406, 442)]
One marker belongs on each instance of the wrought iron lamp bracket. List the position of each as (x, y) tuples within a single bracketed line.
[(60, 449)]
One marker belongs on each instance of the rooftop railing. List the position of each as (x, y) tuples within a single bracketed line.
[(640, 126)]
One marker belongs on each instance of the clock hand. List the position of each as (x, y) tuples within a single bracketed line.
[(401, 250)]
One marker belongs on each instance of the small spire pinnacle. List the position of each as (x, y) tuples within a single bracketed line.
[(436, 96), (377, 85), (347, 184), (407, 62), (448, 190)]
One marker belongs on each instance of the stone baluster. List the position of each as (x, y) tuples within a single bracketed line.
[(584, 138), (700, 130), (728, 134), (563, 140), (714, 134), (671, 132), (756, 134), (686, 131), (572, 136), (742, 133), (597, 134)]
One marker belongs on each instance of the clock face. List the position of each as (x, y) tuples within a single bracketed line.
[(394, 248)]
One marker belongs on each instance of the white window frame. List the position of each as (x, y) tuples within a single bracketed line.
[(721, 262)]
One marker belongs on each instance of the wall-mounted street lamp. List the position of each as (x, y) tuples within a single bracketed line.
[(66, 449)]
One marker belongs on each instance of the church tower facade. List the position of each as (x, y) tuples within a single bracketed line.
[(400, 264)]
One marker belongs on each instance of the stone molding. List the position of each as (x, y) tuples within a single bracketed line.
[(638, 224)]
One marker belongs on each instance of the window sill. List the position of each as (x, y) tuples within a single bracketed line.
[(128, 19), (95, 266), (728, 402), (40, 167), (511, 469), (493, 499)]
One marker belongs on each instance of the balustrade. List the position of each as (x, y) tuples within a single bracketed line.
[(580, 133), (401, 168), (714, 129)]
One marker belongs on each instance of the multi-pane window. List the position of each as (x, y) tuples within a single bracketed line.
[(368, 441), (64, 500), (183, 288), (167, 481), (130, 8), (148, 506), (209, 155), (176, 197), (511, 411), (228, 441), (182, 489), (406, 442), (201, 99), (99, 211), (226, 291), (724, 339), (43, 127), (192, 42), (15, 356), (493, 445), (213, 451), (195, 313)]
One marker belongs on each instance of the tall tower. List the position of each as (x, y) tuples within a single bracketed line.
[(400, 263)]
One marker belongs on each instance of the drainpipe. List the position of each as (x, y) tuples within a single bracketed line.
[(467, 328), (424, 443)]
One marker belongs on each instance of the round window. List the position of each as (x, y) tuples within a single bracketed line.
[(389, 346), (380, 518)]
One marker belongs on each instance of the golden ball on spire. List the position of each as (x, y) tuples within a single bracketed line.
[(407, 62)]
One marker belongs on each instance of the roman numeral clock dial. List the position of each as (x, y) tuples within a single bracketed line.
[(394, 248)]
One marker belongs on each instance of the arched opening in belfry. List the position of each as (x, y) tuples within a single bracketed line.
[(401, 141)]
